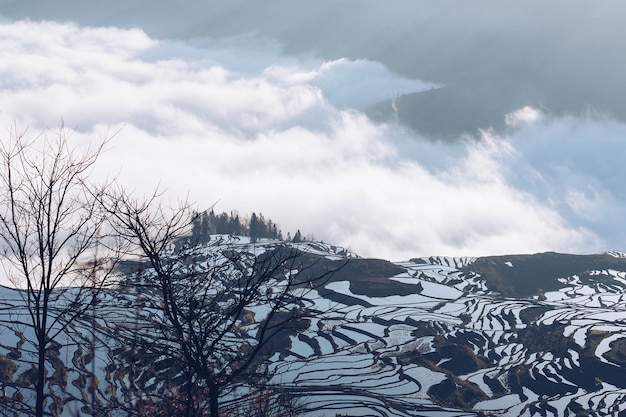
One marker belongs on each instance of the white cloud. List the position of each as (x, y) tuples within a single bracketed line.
[(574, 165), (525, 115), (284, 138), (341, 88)]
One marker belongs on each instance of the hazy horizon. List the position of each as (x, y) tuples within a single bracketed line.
[(266, 108)]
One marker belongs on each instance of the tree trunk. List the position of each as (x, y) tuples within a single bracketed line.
[(189, 401), (41, 376), (214, 400)]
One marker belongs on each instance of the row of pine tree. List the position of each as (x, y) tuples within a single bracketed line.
[(207, 223)]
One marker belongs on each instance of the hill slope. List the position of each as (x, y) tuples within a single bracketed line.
[(431, 336)]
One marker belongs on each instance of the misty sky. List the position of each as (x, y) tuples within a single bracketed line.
[(402, 129)]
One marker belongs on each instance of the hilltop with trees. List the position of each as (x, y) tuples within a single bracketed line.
[(207, 223)]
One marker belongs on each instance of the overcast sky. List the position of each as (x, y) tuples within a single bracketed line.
[(267, 106)]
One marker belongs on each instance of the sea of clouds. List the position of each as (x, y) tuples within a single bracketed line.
[(237, 123)]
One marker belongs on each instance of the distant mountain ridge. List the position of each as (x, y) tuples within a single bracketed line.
[(453, 111), (519, 335)]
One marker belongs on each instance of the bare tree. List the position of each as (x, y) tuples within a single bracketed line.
[(223, 309), (50, 225)]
